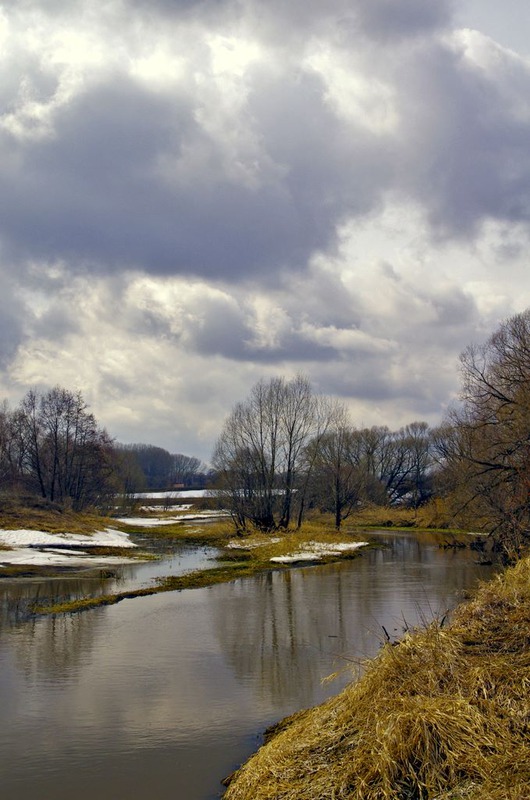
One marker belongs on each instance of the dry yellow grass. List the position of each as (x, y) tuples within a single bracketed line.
[(49, 518), (444, 715)]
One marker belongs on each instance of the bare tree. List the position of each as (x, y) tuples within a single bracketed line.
[(338, 477), (65, 455), (261, 454), (489, 442), (11, 448), (186, 470)]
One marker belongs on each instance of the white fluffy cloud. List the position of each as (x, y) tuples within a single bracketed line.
[(194, 195)]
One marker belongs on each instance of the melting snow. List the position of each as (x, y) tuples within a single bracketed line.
[(242, 545), (317, 551), (56, 548), (153, 522)]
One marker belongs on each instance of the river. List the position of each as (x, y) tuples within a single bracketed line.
[(163, 696)]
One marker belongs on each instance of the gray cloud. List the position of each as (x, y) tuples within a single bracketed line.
[(12, 320), (465, 149), (203, 200), (134, 177), (94, 194), (387, 20), (85, 194), (199, 8)]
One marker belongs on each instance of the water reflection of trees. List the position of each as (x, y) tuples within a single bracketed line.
[(17, 596), (51, 646), (274, 628), (289, 630), (54, 643)]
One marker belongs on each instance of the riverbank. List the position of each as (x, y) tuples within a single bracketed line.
[(443, 715), (62, 542)]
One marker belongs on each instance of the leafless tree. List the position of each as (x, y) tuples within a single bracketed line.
[(338, 476), (66, 456), (487, 442), (261, 454), (186, 470)]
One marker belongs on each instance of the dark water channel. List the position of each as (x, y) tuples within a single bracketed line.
[(163, 696)]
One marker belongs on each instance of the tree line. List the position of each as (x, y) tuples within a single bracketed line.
[(51, 445), (286, 450), (146, 467)]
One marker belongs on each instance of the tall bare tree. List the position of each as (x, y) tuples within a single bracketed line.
[(66, 456), (339, 478), (261, 454)]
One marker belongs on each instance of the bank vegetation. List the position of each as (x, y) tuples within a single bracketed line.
[(442, 715)]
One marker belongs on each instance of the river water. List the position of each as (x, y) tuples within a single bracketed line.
[(163, 696)]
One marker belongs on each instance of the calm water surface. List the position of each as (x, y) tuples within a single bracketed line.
[(163, 696)]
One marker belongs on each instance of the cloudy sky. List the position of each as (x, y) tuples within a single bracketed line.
[(196, 194)]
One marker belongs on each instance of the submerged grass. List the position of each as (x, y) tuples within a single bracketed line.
[(443, 715), (203, 532), (172, 583)]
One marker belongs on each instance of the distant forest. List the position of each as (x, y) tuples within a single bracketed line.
[(153, 468)]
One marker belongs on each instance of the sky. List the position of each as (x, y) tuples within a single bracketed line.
[(199, 194)]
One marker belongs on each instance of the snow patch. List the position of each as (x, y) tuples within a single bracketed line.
[(242, 545), (57, 548), (173, 507), (318, 551), (32, 538), (153, 522), (175, 494), (41, 558)]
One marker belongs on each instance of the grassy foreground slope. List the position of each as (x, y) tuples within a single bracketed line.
[(443, 715)]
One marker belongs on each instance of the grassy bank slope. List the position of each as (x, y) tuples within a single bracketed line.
[(444, 715)]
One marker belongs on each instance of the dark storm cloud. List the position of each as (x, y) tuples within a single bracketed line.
[(332, 169), (84, 193), (95, 193), (134, 176)]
